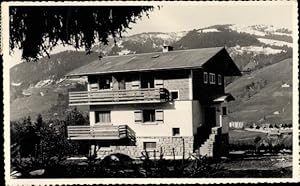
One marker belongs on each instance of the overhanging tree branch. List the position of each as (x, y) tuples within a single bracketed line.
[(82, 27)]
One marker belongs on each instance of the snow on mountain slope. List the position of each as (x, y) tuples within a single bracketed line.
[(167, 37), (275, 42), (260, 30), (256, 50), (246, 29), (207, 30)]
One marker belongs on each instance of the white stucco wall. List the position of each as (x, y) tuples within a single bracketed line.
[(222, 120), (176, 115)]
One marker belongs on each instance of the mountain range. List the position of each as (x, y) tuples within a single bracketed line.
[(258, 50)]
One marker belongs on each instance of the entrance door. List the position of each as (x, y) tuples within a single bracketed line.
[(210, 116)]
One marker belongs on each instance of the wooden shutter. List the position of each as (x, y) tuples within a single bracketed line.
[(136, 82), (94, 86), (159, 83), (159, 115), (138, 116)]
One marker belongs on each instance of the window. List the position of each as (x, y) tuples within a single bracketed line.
[(102, 117), (149, 145), (122, 84), (212, 78), (149, 115), (93, 83), (147, 81), (105, 83), (205, 77), (174, 95), (224, 111), (175, 131), (118, 82), (219, 79)]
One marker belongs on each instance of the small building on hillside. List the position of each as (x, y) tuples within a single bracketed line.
[(236, 125), (285, 85), (170, 102)]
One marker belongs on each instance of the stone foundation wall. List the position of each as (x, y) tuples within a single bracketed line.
[(164, 145)]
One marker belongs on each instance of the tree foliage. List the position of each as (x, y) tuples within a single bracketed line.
[(37, 29)]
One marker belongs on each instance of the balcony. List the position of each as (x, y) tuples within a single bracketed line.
[(106, 97), (100, 132)]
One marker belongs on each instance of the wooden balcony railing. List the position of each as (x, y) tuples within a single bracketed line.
[(100, 132), (145, 95)]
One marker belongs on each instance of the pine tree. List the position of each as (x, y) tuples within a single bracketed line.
[(39, 122)]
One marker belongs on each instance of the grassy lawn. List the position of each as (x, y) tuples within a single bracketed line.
[(242, 136)]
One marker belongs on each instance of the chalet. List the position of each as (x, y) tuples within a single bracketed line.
[(170, 102)]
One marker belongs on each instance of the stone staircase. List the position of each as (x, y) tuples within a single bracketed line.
[(208, 148)]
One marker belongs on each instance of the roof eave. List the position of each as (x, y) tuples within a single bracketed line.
[(128, 71)]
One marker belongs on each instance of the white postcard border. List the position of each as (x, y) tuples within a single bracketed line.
[(6, 80)]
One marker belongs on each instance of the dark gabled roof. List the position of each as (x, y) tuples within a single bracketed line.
[(179, 59), (226, 97)]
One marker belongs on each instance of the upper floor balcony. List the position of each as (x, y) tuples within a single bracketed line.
[(106, 97)]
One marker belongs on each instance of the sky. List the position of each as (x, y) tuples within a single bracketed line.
[(183, 17), (187, 17)]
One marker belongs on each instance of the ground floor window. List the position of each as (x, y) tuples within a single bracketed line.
[(175, 131), (102, 117), (174, 95), (149, 145), (149, 115)]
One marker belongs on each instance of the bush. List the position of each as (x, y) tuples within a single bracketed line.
[(39, 142), (257, 139)]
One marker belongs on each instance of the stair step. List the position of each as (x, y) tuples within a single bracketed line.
[(209, 142), (208, 147)]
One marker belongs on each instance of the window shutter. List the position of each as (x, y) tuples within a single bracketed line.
[(94, 86), (159, 115), (135, 84), (159, 83), (138, 116)]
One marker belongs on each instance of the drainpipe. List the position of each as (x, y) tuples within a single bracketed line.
[(183, 149)]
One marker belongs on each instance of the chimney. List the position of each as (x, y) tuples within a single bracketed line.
[(167, 48)]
